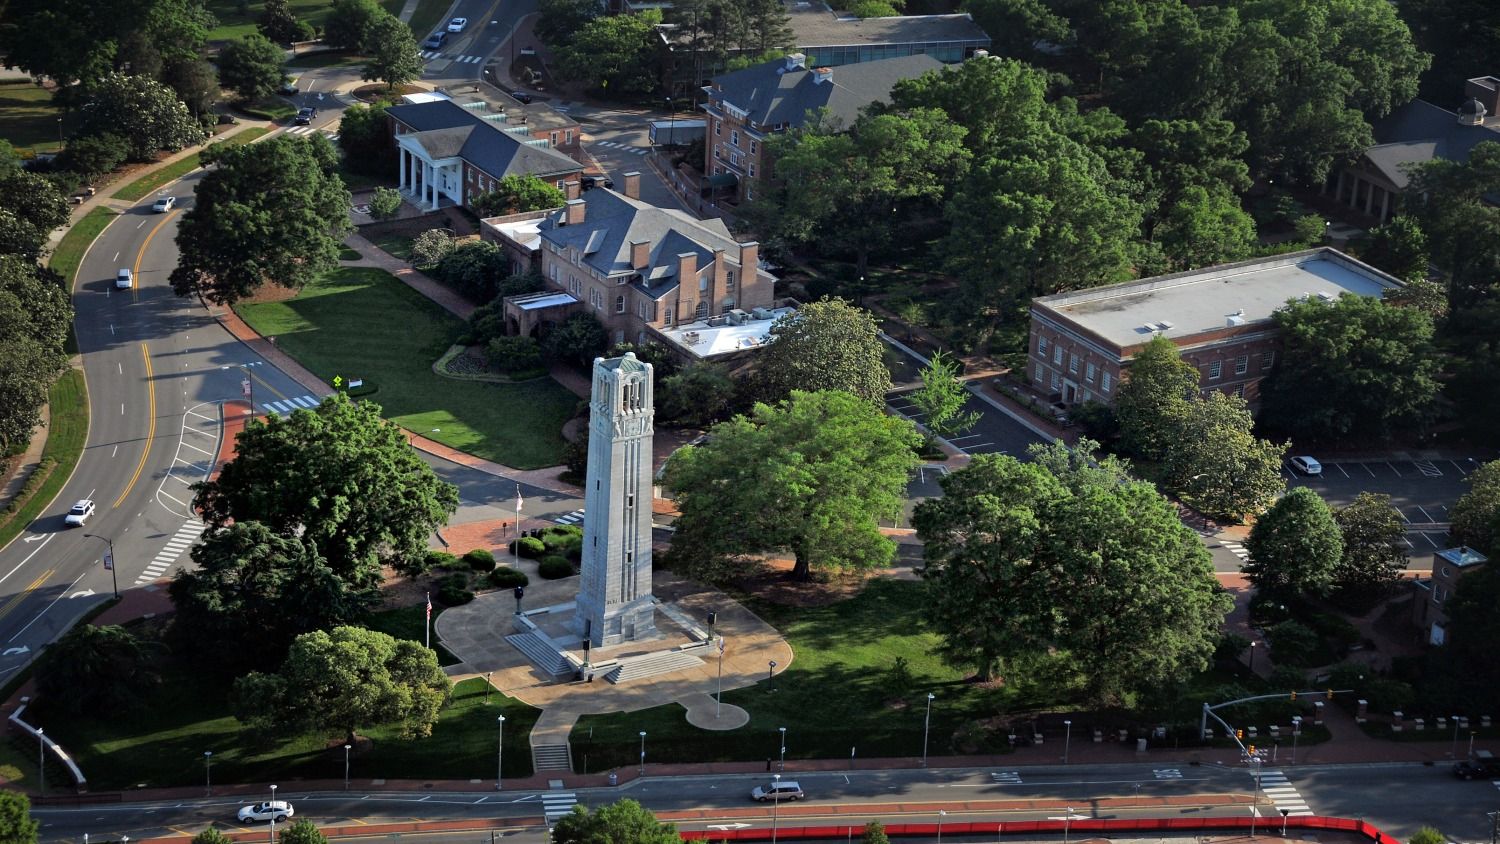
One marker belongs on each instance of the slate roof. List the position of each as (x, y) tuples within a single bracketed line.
[(613, 221), (1419, 132), (445, 130), (772, 95), (815, 25)]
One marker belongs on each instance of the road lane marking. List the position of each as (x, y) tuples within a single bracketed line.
[(150, 428), (19, 597), (23, 562), (60, 595), (139, 256)]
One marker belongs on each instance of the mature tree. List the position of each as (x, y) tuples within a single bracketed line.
[(385, 204), (843, 189), (813, 475), (558, 20), (345, 679), (993, 101), (1474, 633), (1204, 226), (79, 42), (267, 212), (1151, 401), (1020, 26), (395, 58), (350, 22), (196, 83), (278, 22), (472, 268), (1295, 548), (93, 670), (1179, 154), (616, 54), (1373, 559), (941, 398), (145, 112), (621, 822), (1428, 835), (211, 835), (254, 591), (578, 340), (31, 207), (1398, 246), (365, 138), (17, 826), (1067, 556), (698, 395), (1475, 516), (35, 315), (1462, 227), (252, 67), (339, 477), (302, 831), (874, 830), (1371, 365), (432, 246), (1218, 464), (517, 194), (826, 345), (94, 155)]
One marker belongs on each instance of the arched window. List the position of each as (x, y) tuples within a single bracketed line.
[(702, 312)]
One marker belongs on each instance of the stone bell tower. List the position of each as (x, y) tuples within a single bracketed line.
[(614, 596)]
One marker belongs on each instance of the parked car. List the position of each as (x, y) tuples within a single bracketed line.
[(271, 810), (435, 41), (457, 24), (124, 279), (1307, 465), (1483, 765), (778, 791), (591, 182), (305, 115), (165, 204), (79, 513), (521, 97)]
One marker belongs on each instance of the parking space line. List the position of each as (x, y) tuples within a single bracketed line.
[(1428, 537), (1407, 541), (1425, 514), (1341, 469), (970, 449), (1367, 469), (965, 437), (1459, 468), (1394, 469)]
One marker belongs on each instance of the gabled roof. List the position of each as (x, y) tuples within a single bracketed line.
[(613, 221), (772, 94), (446, 129), (1419, 132)]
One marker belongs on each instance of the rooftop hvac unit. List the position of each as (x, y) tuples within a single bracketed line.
[(1236, 319), (1164, 325), (760, 313), (1326, 296), (738, 317)]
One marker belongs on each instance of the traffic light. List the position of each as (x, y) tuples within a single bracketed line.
[(1251, 750), (1294, 694), (1330, 694), (1239, 734)]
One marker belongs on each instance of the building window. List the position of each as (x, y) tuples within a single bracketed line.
[(1040, 376), (1239, 390), (734, 138), (568, 137), (1056, 382), (1215, 369), (1041, 347), (702, 312), (729, 280), (1104, 382), (752, 170), (1267, 360), (619, 304), (718, 127), (753, 147), (1057, 353), (1072, 364), (1088, 373), (702, 283), (1241, 364), (734, 158), (1439, 595)]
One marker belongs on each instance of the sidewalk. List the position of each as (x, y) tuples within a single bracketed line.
[(25, 462)]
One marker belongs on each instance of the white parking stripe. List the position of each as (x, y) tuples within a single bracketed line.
[(1341, 469)]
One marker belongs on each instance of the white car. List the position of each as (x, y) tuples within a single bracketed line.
[(274, 810), (124, 279), (778, 791), (1307, 465), (165, 204), (458, 24), (79, 513)]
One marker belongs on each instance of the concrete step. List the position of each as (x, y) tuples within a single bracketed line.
[(541, 654), (552, 757), (650, 665)]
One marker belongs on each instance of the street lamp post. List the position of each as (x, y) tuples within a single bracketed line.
[(781, 763), (771, 675), (499, 751), (109, 560), (1067, 740), (1296, 732), (41, 761), (1284, 813), (926, 726), (1454, 751), (719, 693), (1255, 795), (643, 753), (248, 386), (347, 748), (775, 803), (941, 814), (1067, 824), (671, 122), (487, 687), (208, 774), (1253, 646)]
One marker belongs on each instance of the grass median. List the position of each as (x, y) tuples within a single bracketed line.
[(363, 323), (67, 431), (163, 176), (76, 241)]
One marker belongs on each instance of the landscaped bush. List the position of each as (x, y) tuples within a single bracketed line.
[(554, 567), (480, 559), (578, 340), (528, 546), (470, 269), (430, 247), (453, 590), (1294, 644), (514, 354), (505, 577)]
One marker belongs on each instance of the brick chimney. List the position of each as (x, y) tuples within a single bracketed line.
[(1485, 89), (687, 270), (822, 75), (572, 190), (794, 61), (749, 261), (640, 254), (632, 184), (575, 210)]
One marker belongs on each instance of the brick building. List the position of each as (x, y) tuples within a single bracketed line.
[(1448, 567), (1219, 317)]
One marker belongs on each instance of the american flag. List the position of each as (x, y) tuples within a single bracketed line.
[(429, 606), (519, 502)]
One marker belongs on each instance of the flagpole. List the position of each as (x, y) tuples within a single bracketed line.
[(427, 625), (516, 549)]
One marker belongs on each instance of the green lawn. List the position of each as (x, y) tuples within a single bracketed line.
[(323, 58), (409, 623), (28, 119), (395, 244), (68, 404), (429, 12), (268, 108), (237, 18), (362, 323), (76, 241), (172, 172)]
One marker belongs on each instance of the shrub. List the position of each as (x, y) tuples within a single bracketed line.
[(528, 547), (514, 354), (480, 559), (430, 247), (505, 577), (579, 339), (1230, 646), (441, 560), (1287, 678), (473, 269), (1293, 643), (453, 590), (554, 567)]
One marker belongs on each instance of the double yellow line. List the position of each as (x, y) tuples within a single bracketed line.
[(16, 599), (150, 426), (135, 290)]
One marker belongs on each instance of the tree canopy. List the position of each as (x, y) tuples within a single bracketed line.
[(1475, 516), (1373, 558), (615, 54), (517, 194), (1152, 399), (35, 315), (146, 113), (17, 826), (93, 670), (252, 66), (350, 23), (941, 398), (621, 822), (813, 476), (272, 211), (1295, 547), (1066, 561), (395, 58), (824, 345), (1218, 464), (339, 477)]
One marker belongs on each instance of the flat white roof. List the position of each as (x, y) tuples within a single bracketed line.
[(525, 232), (424, 97), (1186, 304), (704, 340), (545, 301)]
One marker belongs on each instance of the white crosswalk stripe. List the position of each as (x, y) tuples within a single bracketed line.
[(180, 542), (1167, 773), (430, 54), (289, 405), (571, 518), (1006, 777), (1236, 549), (469, 59), (557, 804), (623, 147), (1276, 786), (300, 130)]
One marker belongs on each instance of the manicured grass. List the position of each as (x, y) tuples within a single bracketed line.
[(429, 12), (396, 244), (268, 108), (359, 322), (348, 254), (68, 404), (359, 181), (410, 623), (237, 20), (324, 58), (76, 241), (28, 119), (172, 172)]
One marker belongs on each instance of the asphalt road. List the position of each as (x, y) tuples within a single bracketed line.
[(464, 57)]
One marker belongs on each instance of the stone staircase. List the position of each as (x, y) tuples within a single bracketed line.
[(650, 665), (552, 757), (541, 653)]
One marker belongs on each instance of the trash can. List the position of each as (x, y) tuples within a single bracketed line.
[(614, 778)]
